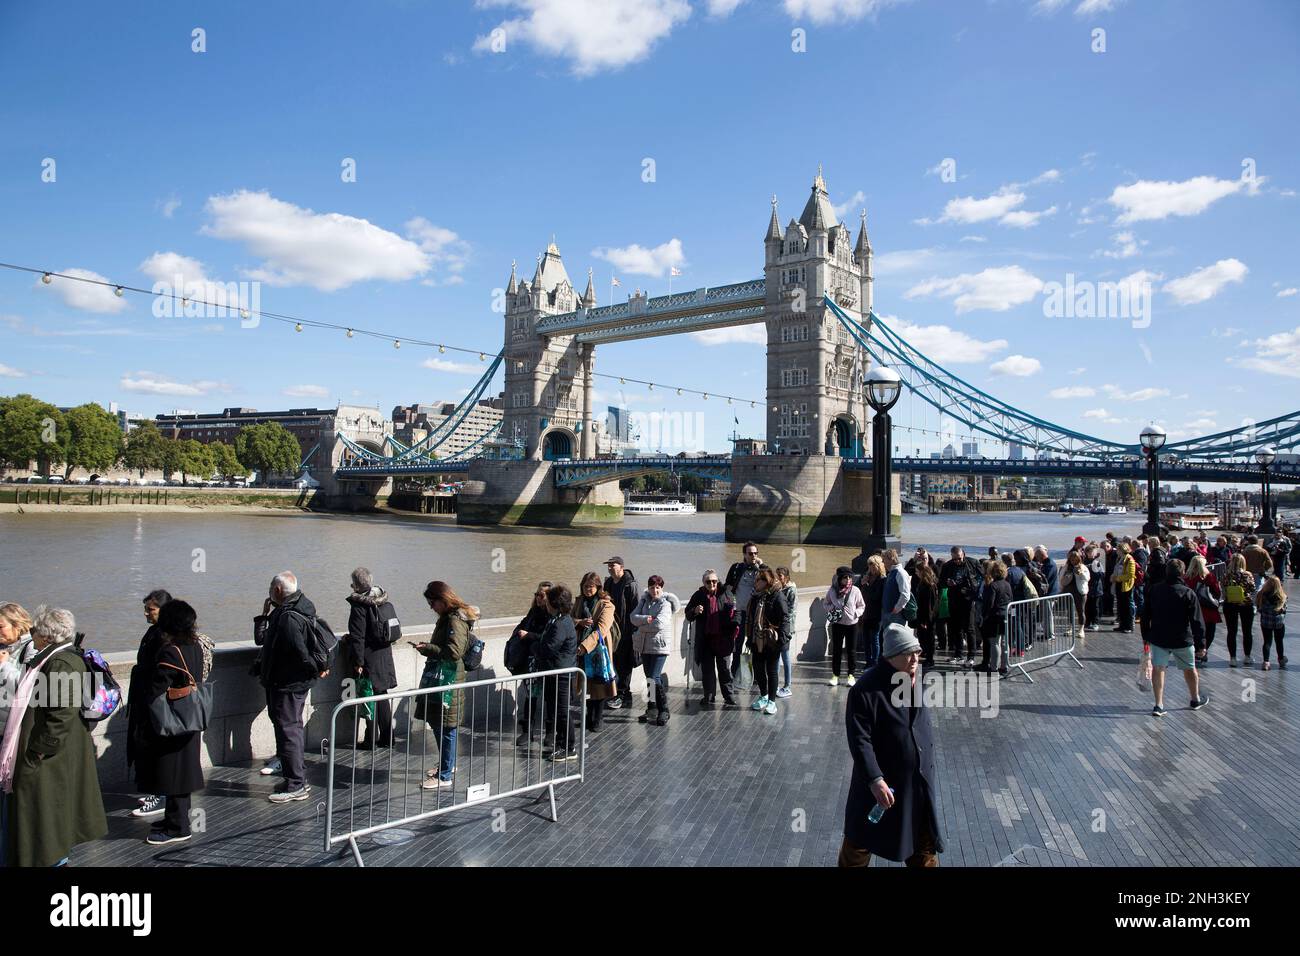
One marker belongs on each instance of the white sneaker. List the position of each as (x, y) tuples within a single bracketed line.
[(783, 692), (770, 707), (151, 806), (272, 766), (834, 681), (849, 680)]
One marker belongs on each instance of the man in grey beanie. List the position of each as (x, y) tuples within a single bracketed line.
[(892, 745)]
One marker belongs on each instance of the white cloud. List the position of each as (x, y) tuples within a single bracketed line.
[(973, 239), (1286, 293), (853, 202), (1149, 199), (1046, 176), (328, 251), (1200, 425), (1278, 354), (185, 276), (1019, 366), (1088, 8), (829, 11), (168, 207), (640, 261), (945, 345), (1096, 413), (1049, 6), (1001, 206), (1073, 391), (150, 383), (1025, 219), (1138, 395), (442, 246), (307, 391), (995, 290), (454, 368), (85, 295), (747, 334), (593, 35), (1126, 246), (1204, 284), (8, 371), (723, 8), (1078, 371)]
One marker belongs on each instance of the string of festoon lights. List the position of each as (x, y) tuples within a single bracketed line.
[(300, 324)]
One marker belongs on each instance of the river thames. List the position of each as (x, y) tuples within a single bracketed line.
[(100, 565)]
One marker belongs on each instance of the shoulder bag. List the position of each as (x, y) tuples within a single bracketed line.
[(181, 710)]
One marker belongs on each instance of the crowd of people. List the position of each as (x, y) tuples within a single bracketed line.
[(1176, 591)]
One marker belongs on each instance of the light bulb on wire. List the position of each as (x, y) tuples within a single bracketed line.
[(119, 292), (47, 278), (349, 333), (442, 350), (397, 343)]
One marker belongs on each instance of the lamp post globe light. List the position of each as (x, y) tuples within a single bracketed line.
[(1264, 457), (1153, 439), (883, 387)]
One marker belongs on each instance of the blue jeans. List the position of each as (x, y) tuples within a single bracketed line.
[(447, 753), (871, 649), (785, 665), (653, 665)]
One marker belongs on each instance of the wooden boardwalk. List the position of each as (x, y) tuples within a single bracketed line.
[(1072, 771)]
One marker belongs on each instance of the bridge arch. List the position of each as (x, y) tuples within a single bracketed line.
[(843, 436), (558, 443)]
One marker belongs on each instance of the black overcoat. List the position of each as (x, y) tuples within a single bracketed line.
[(895, 742), (170, 766)]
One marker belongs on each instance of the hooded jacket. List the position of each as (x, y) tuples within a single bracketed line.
[(366, 645), (654, 637), (850, 603)]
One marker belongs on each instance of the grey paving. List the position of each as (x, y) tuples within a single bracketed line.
[(1071, 772)]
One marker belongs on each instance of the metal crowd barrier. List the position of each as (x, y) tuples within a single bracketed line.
[(1220, 571), (377, 794), (1040, 629)]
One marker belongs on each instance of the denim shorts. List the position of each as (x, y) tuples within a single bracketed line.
[(1180, 657)]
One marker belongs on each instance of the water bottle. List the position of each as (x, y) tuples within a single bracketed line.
[(877, 812)]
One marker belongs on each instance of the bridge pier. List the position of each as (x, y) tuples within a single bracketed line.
[(524, 493), (801, 499)]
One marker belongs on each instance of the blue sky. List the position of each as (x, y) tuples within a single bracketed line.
[(1170, 157)]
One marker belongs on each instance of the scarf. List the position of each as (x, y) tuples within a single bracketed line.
[(14, 726)]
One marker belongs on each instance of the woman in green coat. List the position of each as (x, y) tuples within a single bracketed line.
[(56, 802), (444, 664)]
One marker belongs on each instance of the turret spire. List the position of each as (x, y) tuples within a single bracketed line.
[(513, 287), (773, 225), (863, 246), (589, 296)]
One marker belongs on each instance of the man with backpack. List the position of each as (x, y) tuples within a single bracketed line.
[(961, 578), (373, 629), (294, 654)]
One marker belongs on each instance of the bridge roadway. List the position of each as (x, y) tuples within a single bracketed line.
[(574, 473)]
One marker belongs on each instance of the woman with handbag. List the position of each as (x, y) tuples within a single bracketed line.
[(1076, 580), (444, 655), (594, 620), (763, 626), (1239, 607), (1209, 595), (170, 765), (844, 606), (519, 660)]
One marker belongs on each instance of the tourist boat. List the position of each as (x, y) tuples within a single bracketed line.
[(1110, 510), (1190, 520), (659, 506)]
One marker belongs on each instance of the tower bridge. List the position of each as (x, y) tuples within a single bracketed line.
[(815, 300)]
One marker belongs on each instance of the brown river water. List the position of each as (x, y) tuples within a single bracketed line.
[(100, 565)]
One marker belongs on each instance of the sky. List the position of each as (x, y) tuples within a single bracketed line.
[(380, 165)]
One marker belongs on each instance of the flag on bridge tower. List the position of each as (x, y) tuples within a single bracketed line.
[(675, 271)]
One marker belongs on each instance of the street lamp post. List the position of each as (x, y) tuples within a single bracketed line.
[(883, 387), (1153, 439), (1266, 456)]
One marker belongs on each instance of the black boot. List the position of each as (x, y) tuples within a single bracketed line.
[(661, 705)]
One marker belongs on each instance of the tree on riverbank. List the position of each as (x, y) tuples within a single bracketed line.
[(31, 430), (145, 448), (268, 448), (225, 462), (94, 439), (189, 457)]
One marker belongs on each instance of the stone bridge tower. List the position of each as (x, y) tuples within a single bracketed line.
[(814, 367), (547, 380)]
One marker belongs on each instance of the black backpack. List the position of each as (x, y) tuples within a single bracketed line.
[(385, 627), (473, 658), (1039, 581), (321, 641)]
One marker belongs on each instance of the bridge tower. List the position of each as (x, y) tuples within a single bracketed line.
[(547, 380), (816, 405)]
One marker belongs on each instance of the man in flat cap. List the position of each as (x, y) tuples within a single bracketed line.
[(893, 762)]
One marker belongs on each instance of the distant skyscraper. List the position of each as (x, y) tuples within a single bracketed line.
[(949, 451), (970, 449), (1016, 451)]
